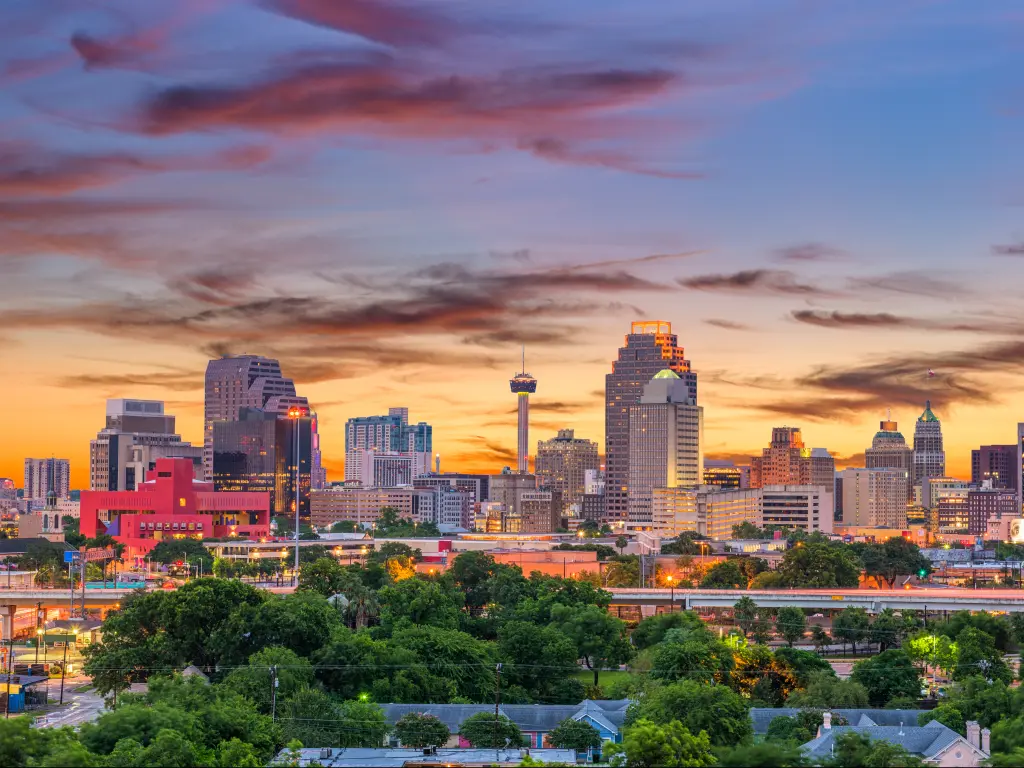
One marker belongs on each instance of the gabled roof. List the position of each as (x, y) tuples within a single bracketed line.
[(529, 717), (763, 716), (926, 741)]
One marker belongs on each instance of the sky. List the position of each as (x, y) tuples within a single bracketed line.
[(824, 199)]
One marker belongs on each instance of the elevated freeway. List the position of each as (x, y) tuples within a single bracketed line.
[(936, 599)]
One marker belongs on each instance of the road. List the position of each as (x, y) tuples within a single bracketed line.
[(78, 708)]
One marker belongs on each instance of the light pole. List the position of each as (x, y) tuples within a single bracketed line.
[(64, 665), (39, 637), (296, 413), (672, 593)]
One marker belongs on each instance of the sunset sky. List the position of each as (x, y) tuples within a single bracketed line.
[(824, 199)]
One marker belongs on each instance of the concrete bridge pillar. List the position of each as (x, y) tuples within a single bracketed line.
[(7, 623)]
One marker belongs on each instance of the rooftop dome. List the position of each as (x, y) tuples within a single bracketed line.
[(666, 374)]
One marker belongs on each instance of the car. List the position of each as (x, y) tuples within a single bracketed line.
[(817, 616)]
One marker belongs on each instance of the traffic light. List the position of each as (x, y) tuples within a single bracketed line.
[(179, 563), (922, 573)]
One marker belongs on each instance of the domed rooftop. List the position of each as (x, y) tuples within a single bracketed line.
[(668, 373)]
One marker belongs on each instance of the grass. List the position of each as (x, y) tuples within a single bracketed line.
[(83, 688), (606, 678)]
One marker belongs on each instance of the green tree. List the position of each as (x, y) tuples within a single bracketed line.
[(362, 724), (946, 713), (725, 575), (672, 745), (484, 730), (535, 658), (716, 709), (761, 629), (791, 624), (255, 681), (887, 630), (800, 728), (417, 602), (773, 755), (996, 627), (471, 572), (237, 754), (747, 530), (820, 638), (803, 664), (819, 563), (127, 753), (311, 717), (857, 750), (574, 734), (852, 626), (745, 614), (652, 630), (169, 551), (418, 730), (888, 675), (324, 576), (455, 656), (891, 559), (303, 622), (693, 659), (20, 743), (621, 542), (70, 526), (600, 638), (826, 691), (171, 749), (622, 572), (976, 653), (345, 526)]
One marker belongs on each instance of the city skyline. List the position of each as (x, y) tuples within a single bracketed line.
[(817, 200)]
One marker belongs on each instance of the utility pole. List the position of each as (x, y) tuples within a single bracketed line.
[(273, 693), (497, 702)]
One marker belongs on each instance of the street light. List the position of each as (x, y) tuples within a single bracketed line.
[(672, 593), (39, 637), (64, 666), (296, 413)]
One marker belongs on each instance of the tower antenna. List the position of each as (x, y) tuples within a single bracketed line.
[(524, 359)]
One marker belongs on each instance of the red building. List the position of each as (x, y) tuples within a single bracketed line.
[(170, 504)]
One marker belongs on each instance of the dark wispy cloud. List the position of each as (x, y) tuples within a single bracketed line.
[(182, 381), (381, 21), (910, 282), (762, 281), (1009, 249), (809, 252), (562, 151), (885, 320), (35, 171), (729, 325)]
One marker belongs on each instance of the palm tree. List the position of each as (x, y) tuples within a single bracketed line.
[(622, 542)]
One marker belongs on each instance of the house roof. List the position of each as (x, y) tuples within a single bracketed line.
[(926, 741), (529, 717), (354, 757), (763, 716)]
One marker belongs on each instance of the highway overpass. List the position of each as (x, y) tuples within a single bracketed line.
[(937, 599)]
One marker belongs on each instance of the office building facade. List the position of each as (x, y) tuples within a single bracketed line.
[(996, 465), (665, 443), (47, 477), (929, 455), (248, 381), (889, 450), (988, 504), (875, 498), (526, 508), (363, 505), (477, 486), (650, 347), (256, 452), (136, 433), (375, 469), (726, 474), (562, 464), (787, 461), (708, 510), (804, 507)]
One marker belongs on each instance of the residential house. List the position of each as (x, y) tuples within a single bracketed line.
[(536, 721), (368, 757)]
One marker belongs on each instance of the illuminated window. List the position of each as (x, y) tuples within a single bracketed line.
[(181, 502)]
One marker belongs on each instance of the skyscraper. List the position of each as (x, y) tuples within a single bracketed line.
[(889, 450), (875, 497), (46, 476), (256, 452), (562, 464), (665, 443), (650, 347), (929, 457), (136, 433), (996, 464), (391, 434), (245, 381), (787, 461), (523, 385)]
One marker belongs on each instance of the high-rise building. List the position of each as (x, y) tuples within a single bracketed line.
[(997, 465), (708, 510), (257, 452), (562, 464), (391, 434), (46, 477), (523, 385), (247, 381), (726, 474), (379, 469), (364, 505), (136, 433), (665, 443), (805, 507), (889, 450), (1020, 467), (989, 504), (477, 486), (929, 457), (650, 347), (787, 461), (525, 509), (875, 498)]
